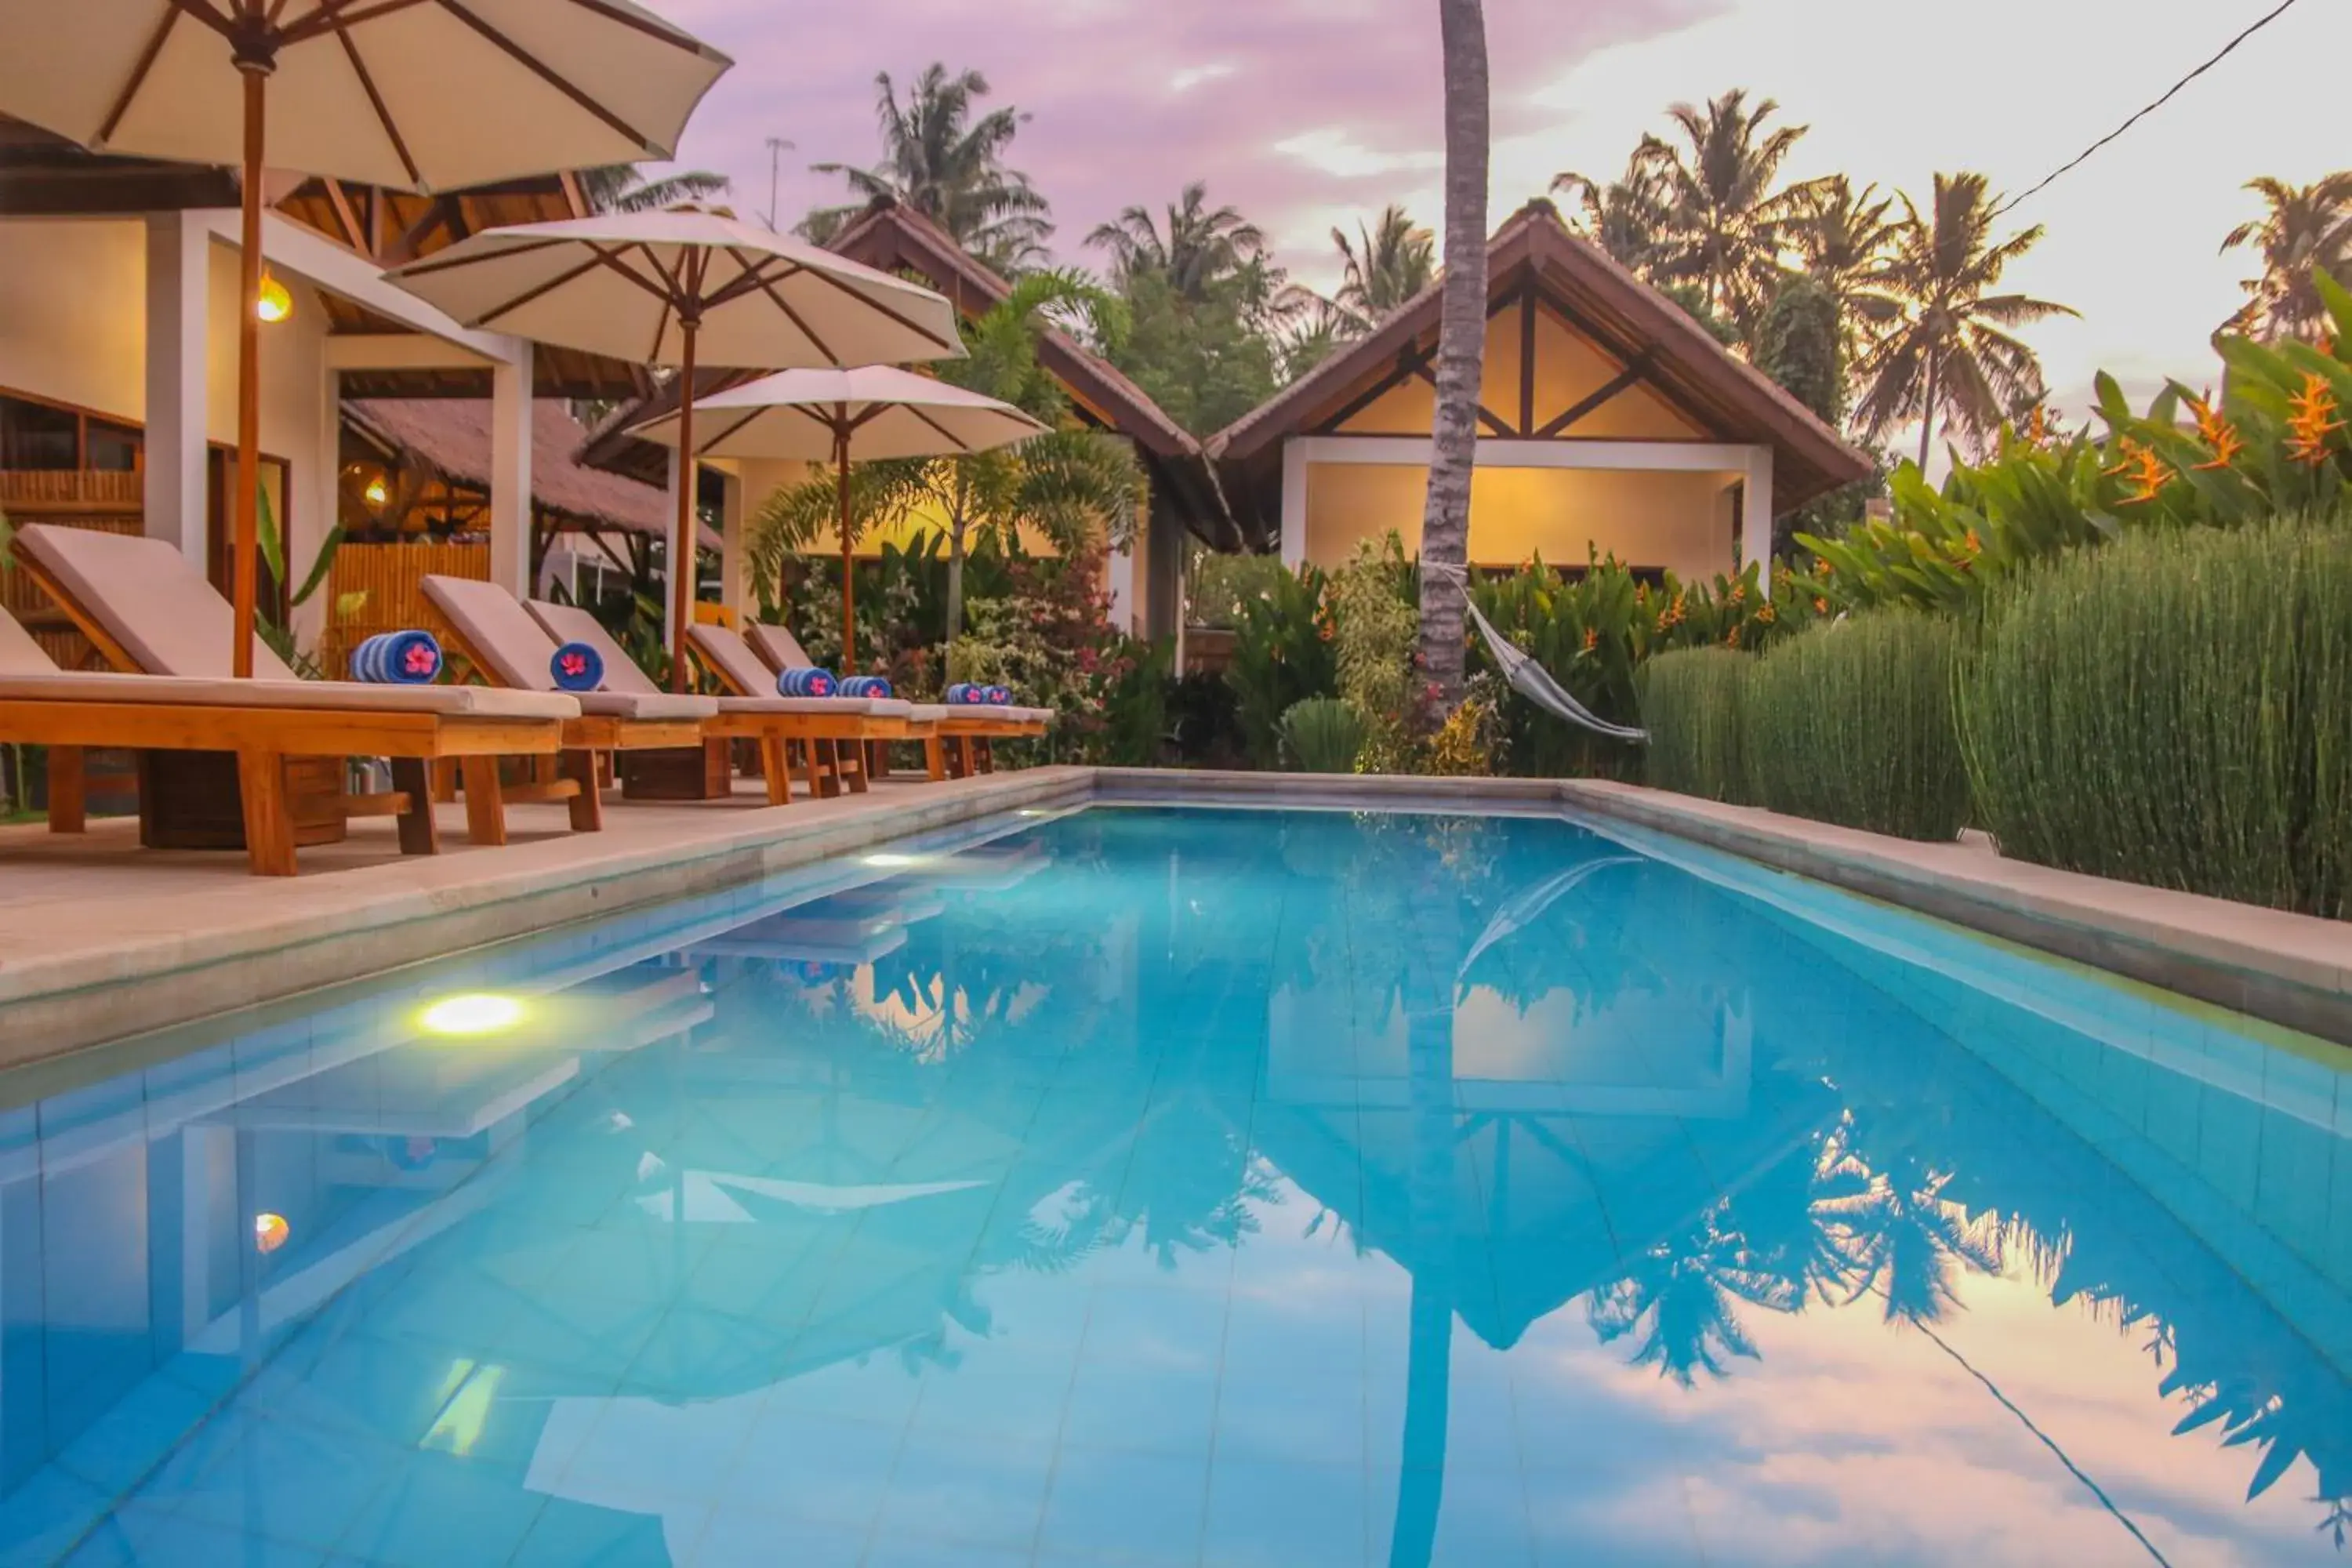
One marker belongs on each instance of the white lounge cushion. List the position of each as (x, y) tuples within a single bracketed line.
[(570, 624), (779, 647), (830, 707), (732, 659), (19, 654), (516, 650), (148, 597), (645, 705), (335, 696)]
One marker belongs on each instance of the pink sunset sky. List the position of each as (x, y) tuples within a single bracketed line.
[(1306, 113)]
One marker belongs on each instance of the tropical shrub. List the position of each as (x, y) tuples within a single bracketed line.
[(1851, 723), (1051, 641), (1220, 585), (2276, 443), (1375, 604), (1690, 703), (2176, 709), (1324, 735), (1282, 656)]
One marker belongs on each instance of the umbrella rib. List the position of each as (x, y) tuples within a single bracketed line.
[(920, 332), (537, 291), (500, 252), (172, 13), (333, 15), (651, 26), (711, 445), (960, 443), (553, 78), (375, 99), (767, 287)]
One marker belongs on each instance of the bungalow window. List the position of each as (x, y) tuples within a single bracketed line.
[(114, 449), (39, 436)]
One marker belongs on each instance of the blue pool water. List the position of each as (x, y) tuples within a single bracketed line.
[(1143, 1186)]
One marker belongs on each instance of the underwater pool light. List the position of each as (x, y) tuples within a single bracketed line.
[(269, 1232), (893, 861), (475, 1012)]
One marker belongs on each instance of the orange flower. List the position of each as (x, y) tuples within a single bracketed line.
[(2037, 426), (1820, 605), (2142, 469), (1767, 614), (1591, 638), (2313, 421), (2218, 433), (1732, 639)]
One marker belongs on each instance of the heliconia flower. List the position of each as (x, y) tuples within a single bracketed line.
[(2314, 420), (2216, 431), (1768, 614), (1591, 638), (1820, 605), (2147, 472)]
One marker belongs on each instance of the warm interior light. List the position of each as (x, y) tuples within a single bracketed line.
[(273, 303), (270, 1231), (478, 1012), (377, 491)]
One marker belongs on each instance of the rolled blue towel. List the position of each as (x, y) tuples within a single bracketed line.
[(398, 659), (577, 668), (805, 683), (1000, 696), (863, 686), (964, 693)]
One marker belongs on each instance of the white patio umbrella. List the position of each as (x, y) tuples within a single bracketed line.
[(877, 412), (688, 287), (416, 94)]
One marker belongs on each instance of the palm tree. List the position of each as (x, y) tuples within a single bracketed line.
[(1627, 217), (1726, 224), (1950, 350), (1842, 238), (1203, 246), (627, 188), (2307, 229), (940, 161), (1461, 357), (1396, 261)]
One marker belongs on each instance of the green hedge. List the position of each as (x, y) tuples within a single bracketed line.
[(2176, 709), (1851, 722), (1690, 704)]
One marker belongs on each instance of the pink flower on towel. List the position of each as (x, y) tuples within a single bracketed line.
[(574, 664), (422, 660)]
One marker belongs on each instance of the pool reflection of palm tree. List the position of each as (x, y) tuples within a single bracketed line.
[(1682, 1293), (1894, 1232)]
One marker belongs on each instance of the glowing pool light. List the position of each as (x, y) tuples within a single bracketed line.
[(270, 1231), (475, 1012), (892, 860)]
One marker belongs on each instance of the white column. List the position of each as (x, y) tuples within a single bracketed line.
[(315, 514), (1756, 514), (1121, 572), (734, 560), (511, 515), (1293, 502), (179, 291)]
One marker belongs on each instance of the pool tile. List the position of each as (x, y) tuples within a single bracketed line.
[(814, 1470), (1127, 1507), (436, 1513), (1281, 1513), (984, 1492), (750, 1537), (1167, 1413)]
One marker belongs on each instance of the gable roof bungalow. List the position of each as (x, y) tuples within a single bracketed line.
[(1609, 420), (1185, 497)]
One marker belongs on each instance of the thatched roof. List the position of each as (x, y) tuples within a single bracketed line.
[(452, 437)]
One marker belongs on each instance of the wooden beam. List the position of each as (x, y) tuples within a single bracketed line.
[(1371, 395), (1526, 362), (411, 243), (1589, 404), (1486, 416), (354, 235)]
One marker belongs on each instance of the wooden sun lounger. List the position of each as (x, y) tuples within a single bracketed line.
[(955, 738), (490, 630), (265, 723), (845, 738)]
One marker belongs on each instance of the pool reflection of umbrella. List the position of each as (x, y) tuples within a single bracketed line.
[(688, 287), (409, 96), (815, 415)]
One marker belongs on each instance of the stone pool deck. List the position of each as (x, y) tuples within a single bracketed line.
[(100, 939)]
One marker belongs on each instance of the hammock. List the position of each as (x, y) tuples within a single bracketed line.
[(1529, 905), (1528, 679)]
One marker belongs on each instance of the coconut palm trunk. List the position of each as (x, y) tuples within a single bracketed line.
[(1927, 411), (1461, 359)]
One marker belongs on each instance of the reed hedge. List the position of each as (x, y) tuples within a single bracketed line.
[(1851, 723), (2175, 708), (1690, 702)]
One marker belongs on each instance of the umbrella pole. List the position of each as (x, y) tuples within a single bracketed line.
[(248, 489), (682, 556), (848, 579)]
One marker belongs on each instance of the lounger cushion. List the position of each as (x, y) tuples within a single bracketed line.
[(732, 659), (19, 654), (832, 706), (516, 650), (569, 623), (337, 696), (148, 597), (780, 649), (646, 705)]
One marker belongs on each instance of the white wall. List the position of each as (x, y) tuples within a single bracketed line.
[(73, 327)]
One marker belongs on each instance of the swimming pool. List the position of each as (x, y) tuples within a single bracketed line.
[(1157, 1186)]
